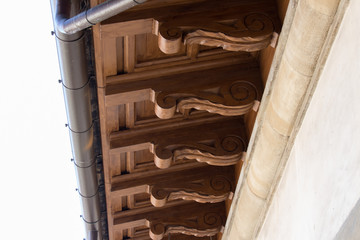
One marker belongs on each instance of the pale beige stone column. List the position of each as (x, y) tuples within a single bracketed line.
[(288, 85)]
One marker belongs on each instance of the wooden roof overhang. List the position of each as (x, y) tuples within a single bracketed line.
[(179, 84)]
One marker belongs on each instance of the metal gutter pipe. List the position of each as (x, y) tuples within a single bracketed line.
[(70, 41), (94, 15)]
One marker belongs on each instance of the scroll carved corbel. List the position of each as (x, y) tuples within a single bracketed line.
[(230, 100), (157, 232), (210, 190), (228, 151), (205, 225), (248, 33)]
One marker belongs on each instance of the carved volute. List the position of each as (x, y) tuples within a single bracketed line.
[(233, 99), (227, 91), (193, 219), (208, 221), (233, 32), (203, 184), (205, 224), (225, 151), (217, 142), (212, 189)]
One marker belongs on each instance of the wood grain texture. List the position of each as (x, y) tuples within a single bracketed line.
[(212, 59), (209, 158), (206, 184), (248, 32), (232, 25), (129, 53), (193, 219), (228, 91), (207, 189), (215, 141), (209, 106)]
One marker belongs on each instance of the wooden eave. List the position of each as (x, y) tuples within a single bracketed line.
[(176, 113)]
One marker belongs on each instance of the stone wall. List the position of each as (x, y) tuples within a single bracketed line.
[(318, 195)]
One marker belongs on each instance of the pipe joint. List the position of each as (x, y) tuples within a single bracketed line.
[(92, 16), (93, 162), (90, 196), (89, 222), (73, 131), (77, 88)]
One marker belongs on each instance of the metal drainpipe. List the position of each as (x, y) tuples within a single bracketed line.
[(69, 26)]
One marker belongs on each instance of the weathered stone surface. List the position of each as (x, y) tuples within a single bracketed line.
[(318, 195), (288, 86)]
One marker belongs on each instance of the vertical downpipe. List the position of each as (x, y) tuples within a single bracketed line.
[(77, 96)]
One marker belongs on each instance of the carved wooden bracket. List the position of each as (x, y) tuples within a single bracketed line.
[(233, 32), (203, 224), (159, 230), (203, 184), (210, 189), (188, 218), (232, 99), (216, 141), (228, 91), (224, 151)]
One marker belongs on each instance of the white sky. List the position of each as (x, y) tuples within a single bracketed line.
[(38, 198)]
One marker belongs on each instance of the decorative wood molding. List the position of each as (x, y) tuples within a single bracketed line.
[(224, 152), (209, 158), (184, 195), (190, 218), (204, 224), (216, 140), (158, 231), (227, 91), (242, 32), (209, 189), (203, 184), (199, 104), (234, 99)]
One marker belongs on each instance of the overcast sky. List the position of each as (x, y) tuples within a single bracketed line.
[(38, 197)]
